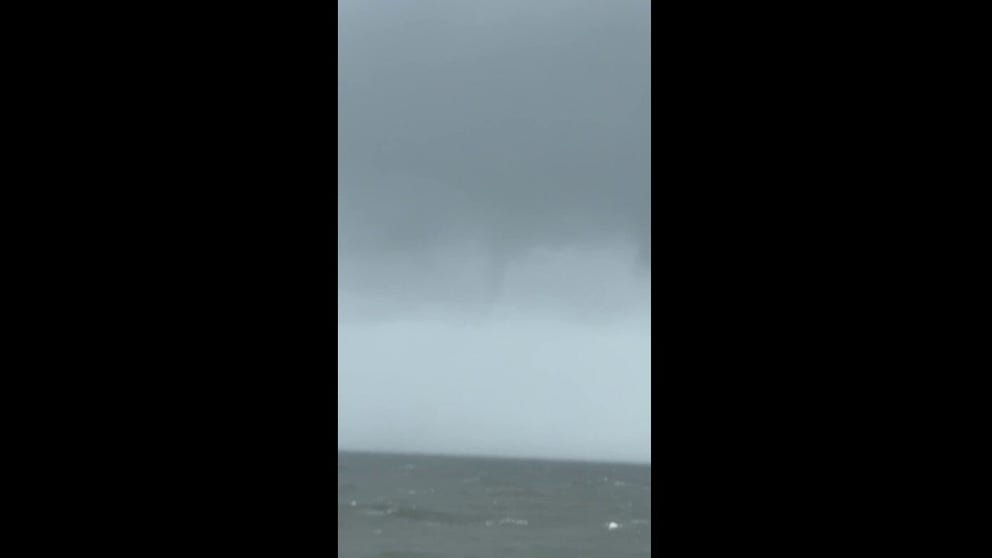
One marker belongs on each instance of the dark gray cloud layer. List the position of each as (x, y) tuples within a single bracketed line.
[(506, 125)]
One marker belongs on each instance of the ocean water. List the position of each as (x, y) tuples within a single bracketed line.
[(393, 506)]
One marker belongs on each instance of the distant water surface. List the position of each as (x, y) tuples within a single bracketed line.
[(392, 506)]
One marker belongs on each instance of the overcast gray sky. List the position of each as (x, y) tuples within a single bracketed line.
[(494, 227)]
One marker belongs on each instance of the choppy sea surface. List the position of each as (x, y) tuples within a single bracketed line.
[(393, 506)]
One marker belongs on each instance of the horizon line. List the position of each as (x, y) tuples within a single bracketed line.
[(491, 456)]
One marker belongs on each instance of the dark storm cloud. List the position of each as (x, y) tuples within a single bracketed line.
[(489, 129)]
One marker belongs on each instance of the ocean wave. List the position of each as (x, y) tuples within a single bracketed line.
[(412, 513), (515, 492), (507, 521)]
